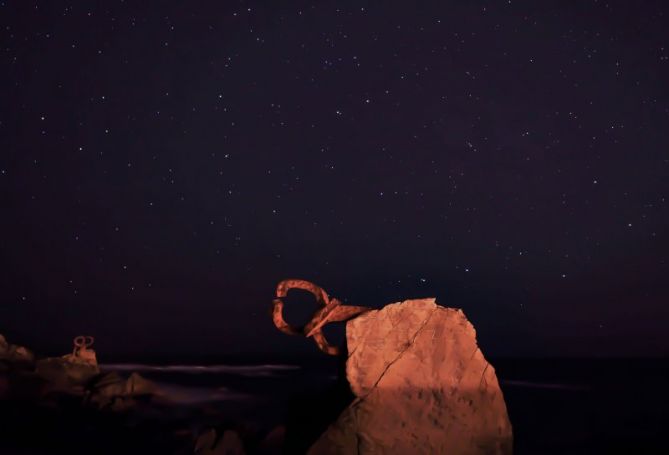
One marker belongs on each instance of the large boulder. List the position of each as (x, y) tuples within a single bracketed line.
[(421, 385), (114, 392), (71, 371)]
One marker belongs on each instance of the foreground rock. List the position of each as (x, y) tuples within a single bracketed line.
[(12, 355), (113, 392), (72, 371), (421, 384)]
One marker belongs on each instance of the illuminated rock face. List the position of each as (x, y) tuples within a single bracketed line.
[(228, 444), (421, 384)]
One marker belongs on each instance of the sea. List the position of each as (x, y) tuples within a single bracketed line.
[(556, 406)]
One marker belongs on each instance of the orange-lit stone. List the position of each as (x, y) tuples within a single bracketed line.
[(421, 384)]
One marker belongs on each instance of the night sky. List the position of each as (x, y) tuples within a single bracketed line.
[(164, 164)]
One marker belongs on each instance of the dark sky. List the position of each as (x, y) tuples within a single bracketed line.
[(164, 164)]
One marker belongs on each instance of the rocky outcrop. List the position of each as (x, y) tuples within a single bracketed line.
[(14, 355), (421, 385), (65, 372), (112, 391), (228, 444), (71, 370), (17, 378), (274, 440)]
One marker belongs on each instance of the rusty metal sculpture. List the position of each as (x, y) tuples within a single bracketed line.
[(82, 351), (81, 343), (332, 311)]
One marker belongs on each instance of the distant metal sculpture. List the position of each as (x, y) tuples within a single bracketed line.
[(332, 311), (82, 351), (76, 368)]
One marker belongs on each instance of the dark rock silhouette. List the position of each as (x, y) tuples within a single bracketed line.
[(112, 391), (414, 381), (71, 371), (273, 441), (15, 356)]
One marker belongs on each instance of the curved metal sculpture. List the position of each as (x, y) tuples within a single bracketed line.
[(82, 351), (332, 311), (81, 343)]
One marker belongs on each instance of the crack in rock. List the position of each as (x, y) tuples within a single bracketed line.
[(483, 375), (401, 353), (464, 369)]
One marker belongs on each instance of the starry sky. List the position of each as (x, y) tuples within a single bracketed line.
[(164, 164)]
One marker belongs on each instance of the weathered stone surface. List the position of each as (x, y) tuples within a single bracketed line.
[(421, 384), (64, 372)]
